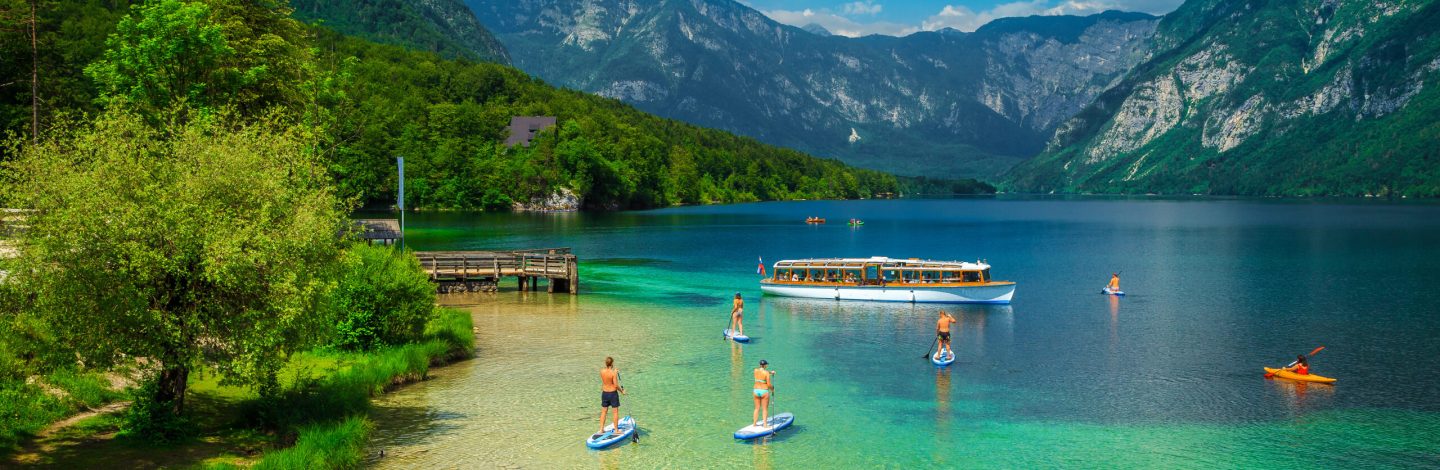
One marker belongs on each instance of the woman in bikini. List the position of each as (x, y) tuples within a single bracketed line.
[(737, 315), (764, 388)]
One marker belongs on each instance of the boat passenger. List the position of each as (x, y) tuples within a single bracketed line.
[(1114, 282), (764, 388), (610, 391), (737, 318), (1302, 366), (942, 332)]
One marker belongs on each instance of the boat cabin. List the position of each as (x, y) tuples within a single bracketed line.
[(879, 271)]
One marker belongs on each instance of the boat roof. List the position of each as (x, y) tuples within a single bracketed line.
[(881, 260)]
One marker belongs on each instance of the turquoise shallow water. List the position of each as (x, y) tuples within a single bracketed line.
[(1166, 377)]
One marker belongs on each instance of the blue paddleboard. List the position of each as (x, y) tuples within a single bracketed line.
[(1107, 291), (604, 439), (942, 361), (738, 338), (776, 423)]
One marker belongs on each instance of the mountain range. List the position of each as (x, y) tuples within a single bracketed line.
[(942, 103), (1283, 98), (1277, 98)]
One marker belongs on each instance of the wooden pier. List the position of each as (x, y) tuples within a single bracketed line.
[(469, 271)]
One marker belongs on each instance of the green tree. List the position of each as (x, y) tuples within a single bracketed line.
[(383, 297), (250, 55), (208, 243)]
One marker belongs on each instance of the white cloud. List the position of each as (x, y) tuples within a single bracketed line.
[(862, 8), (956, 16), (839, 24), (965, 19)]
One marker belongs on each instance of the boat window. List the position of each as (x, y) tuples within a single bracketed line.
[(985, 275), (971, 276)]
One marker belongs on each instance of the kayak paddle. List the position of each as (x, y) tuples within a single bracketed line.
[(1292, 363)]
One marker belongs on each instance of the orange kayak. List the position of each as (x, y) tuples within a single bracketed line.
[(1285, 374)]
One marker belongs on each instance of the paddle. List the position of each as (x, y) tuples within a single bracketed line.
[(1292, 363), (932, 347), (729, 323), (634, 436)]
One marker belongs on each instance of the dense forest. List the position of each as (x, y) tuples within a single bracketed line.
[(447, 117)]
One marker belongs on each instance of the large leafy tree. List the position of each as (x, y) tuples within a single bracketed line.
[(246, 54), (207, 243)]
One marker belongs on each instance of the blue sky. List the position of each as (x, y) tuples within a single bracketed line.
[(901, 17)]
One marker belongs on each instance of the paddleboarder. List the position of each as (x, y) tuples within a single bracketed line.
[(1114, 282), (764, 388), (610, 391), (942, 331), (737, 318)]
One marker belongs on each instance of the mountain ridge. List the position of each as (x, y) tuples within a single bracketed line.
[(924, 104), (1240, 101)]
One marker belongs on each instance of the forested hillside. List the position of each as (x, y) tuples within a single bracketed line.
[(1275, 98), (446, 116), (446, 27)]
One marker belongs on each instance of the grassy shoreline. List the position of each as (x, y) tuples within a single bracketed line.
[(319, 420)]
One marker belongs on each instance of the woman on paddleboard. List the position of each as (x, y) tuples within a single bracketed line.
[(1114, 285), (610, 391), (737, 316), (764, 388)]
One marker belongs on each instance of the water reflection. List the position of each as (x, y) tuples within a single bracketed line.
[(1302, 396)]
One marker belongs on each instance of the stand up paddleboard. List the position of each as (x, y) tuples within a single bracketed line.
[(943, 361), (1107, 291), (730, 334), (605, 438), (776, 423)]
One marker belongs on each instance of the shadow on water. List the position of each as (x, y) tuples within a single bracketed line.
[(629, 261), (691, 299)]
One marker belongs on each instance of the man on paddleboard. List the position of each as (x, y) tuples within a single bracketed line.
[(610, 391), (764, 388), (737, 319), (942, 331), (1114, 282)]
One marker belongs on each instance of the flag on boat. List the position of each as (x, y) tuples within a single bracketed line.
[(761, 268)]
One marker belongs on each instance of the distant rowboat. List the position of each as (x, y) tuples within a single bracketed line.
[(814, 220)]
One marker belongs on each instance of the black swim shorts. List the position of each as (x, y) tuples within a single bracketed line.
[(609, 399), (944, 335)]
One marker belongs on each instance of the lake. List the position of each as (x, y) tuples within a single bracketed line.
[(1168, 376)]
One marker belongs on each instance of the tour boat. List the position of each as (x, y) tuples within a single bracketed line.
[(887, 279)]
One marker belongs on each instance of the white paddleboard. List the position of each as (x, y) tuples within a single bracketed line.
[(776, 423), (729, 333), (604, 439), (945, 360), (1107, 291)]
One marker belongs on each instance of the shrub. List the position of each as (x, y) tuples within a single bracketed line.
[(383, 298), (25, 409), (150, 418)]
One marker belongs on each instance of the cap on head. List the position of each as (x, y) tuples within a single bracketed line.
[(762, 362), (737, 295)]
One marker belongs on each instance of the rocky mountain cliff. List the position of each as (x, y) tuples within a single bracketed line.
[(446, 27), (1307, 97), (935, 103)]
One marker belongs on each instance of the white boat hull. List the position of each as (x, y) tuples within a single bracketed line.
[(991, 294)]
